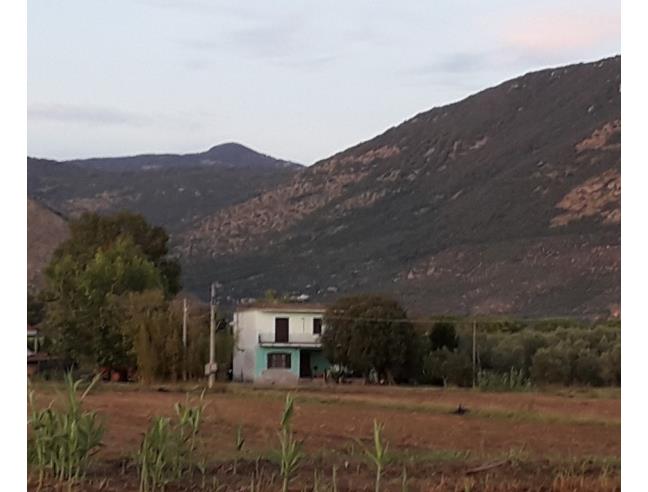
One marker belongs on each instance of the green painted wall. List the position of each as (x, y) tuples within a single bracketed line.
[(317, 359), (262, 359), (319, 363)]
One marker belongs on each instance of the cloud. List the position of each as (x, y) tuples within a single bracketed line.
[(559, 34), (285, 43), (455, 63), (95, 115)]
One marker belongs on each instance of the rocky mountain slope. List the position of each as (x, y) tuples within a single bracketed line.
[(505, 202), (45, 230), (172, 190)]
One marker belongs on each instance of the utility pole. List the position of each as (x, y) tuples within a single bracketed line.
[(184, 339), (474, 354), (211, 369)]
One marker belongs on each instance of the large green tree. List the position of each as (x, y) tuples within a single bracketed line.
[(92, 232), (104, 259), (370, 333)]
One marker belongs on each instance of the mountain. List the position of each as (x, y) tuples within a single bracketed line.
[(172, 190), (45, 230), (507, 202), (224, 156)]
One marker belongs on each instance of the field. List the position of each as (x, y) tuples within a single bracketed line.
[(551, 440)]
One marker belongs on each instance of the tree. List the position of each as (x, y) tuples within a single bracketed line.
[(370, 333), (92, 232), (83, 311), (443, 335), (153, 324), (156, 339), (35, 309)]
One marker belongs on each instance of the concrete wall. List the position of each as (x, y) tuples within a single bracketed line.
[(250, 360), (243, 361), (298, 323)]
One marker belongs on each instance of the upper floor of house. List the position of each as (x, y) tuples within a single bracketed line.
[(273, 325)]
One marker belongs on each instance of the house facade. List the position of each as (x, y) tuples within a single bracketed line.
[(278, 343)]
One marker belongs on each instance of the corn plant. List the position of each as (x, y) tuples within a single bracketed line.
[(167, 451), (289, 450), (189, 420), (404, 480), (377, 456), (238, 444), (62, 442)]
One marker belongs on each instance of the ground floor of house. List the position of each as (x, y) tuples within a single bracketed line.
[(289, 364)]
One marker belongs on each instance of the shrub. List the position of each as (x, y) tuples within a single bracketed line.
[(588, 368), (433, 368), (551, 365), (442, 367), (514, 380), (611, 365)]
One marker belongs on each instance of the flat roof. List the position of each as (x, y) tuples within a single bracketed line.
[(302, 307)]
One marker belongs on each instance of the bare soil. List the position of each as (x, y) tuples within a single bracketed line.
[(538, 441)]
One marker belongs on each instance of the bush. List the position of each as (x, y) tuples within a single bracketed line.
[(611, 365), (588, 368), (514, 380), (442, 367), (433, 367), (551, 365)]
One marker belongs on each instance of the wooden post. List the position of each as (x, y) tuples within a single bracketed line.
[(474, 354), (212, 335), (184, 339)]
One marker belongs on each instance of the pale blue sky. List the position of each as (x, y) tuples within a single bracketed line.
[(299, 80)]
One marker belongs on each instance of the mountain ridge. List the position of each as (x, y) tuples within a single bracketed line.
[(522, 163), (228, 154), (505, 202)]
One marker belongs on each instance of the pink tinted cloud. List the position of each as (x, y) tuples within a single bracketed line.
[(561, 33)]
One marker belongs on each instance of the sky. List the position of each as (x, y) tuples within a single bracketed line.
[(299, 80)]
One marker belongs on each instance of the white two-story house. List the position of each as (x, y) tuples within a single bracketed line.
[(278, 343)]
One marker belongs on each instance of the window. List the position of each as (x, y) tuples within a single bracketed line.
[(317, 326), (279, 361)]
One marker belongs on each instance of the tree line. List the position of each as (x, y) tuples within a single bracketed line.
[(372, 337), (111, 302)]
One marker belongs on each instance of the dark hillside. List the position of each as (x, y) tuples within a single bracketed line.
[(170, 190), (505, 202)]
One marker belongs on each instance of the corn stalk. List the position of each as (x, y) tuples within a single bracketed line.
[(377, 456), (62, 442), (289, 449)]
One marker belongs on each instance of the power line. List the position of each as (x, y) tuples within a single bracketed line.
[(469, 320)]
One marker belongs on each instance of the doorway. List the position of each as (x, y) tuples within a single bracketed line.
[(305, 364)]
